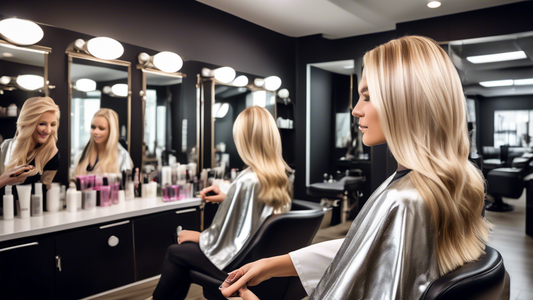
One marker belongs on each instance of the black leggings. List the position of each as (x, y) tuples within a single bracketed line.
[(180, 258)]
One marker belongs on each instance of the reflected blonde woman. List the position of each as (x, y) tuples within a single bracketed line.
[(103, 153), (32, 154), (262, 189), (422, 222)]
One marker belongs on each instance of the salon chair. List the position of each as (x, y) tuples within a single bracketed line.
[(504, 182), (483, 279), (279, 234), (346, 191)]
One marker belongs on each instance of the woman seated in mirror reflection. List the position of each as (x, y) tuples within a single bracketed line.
[(103, 153), (32, 154), (425, 220), (263, 189)]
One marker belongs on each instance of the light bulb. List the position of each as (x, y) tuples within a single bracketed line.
[(272, 83), (5, 80), (21, 32), (30, 82), (120, 89), (168, 61), (85, 85), (283, 93), (224, 74), (105, 48), (240, 81), (259, 82)]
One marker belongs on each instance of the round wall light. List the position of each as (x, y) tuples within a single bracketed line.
[(283, 93), (240, 81), (168, 61), (21, 32), (120, 89), (85, 85), (30, 82), (224, 74), (272, 83), (105, 48)]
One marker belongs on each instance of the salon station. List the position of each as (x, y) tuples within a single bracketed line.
[(117, 122)]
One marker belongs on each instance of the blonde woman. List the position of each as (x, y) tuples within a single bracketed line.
[(263, 189), (32, 154), (422, 222), (103, 153)]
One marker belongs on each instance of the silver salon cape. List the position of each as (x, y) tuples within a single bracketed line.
[(389, 252), (237, 219)]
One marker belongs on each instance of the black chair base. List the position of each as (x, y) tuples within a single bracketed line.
[(498, 205)]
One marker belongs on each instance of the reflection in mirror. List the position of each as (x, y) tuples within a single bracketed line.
[(23, 72), (96, 84), (160, 91)]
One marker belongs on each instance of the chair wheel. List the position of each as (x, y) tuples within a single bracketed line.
[(498, 207)]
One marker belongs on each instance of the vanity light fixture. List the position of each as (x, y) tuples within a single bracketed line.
[(116, 90), (85, 85), (100, 47), (434, 4), (283, 93), (30, 82), (505, 56), (260, 82), (527, 81), (165, 61), (222, 74), (21, 32), (272, 83), (5, 80), (241, 80)]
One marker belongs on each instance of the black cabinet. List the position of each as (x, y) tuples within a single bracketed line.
[(94, 260), (153, 235), (27, 269)]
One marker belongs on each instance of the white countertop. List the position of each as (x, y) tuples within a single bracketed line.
[(63, 220)]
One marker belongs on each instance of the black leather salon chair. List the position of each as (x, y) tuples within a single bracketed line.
[(279, 234), (504, 182), (483, 279)]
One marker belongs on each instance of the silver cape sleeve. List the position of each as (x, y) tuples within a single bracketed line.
[(389, 252), (238, 217), (125, 162)]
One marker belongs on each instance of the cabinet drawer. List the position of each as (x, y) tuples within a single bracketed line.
[(94, 260), (154, 234)]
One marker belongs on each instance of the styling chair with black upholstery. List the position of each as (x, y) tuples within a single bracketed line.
[(279, 234), (483, 279)]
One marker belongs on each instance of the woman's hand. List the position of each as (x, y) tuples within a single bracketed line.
[(188, 236), (246, 294), (219, 197), (17, 175)]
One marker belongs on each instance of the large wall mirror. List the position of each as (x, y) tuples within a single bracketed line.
[(160, 91), (95, 84), (220, 104), (23, 74)]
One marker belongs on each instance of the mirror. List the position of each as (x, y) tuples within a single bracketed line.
[(95, 84), (14, 62), (161, 92), (221, 104)]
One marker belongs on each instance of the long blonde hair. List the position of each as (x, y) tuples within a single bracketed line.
[(418, 96), (108, 161), (27, 122), (258, 142)]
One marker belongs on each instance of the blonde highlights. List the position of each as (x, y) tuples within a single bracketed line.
[(258, 142), (27, 122), (418, 96), (108, 161)]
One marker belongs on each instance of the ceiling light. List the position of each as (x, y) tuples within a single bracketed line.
[(482, 59), (30, 82), (120, 89), (494, 83), (283, 93), (434, 4), (103, 47), (21, 32), (272, 83), (527, 81), (240, 81), (85, 85), (168, 61), (348, 67)]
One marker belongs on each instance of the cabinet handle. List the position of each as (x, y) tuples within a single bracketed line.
[(185, 211), (19, 246), (112, 241), (58, 262), (115, 224)]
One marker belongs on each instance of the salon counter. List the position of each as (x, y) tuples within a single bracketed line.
[(63, 220)]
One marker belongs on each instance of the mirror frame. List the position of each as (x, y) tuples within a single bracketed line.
[(142, 93), (206, 122), (74, 54), (46, 51)]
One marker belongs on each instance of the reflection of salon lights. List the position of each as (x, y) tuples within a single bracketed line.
[(283, 93), (259, 98), (30, 82), (120, 89), (506, 56), (5, 80), (220, 110), (240, 81), (348, 67), (85, 85), (507, 82), (105, 48), (272, 83), (21, 32), (523, 81), (434, 4), (167, 61), (7, 54), (224, 74)]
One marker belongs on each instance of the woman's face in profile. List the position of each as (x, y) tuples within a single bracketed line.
[(368, 117), (46, 127), (100, 130)]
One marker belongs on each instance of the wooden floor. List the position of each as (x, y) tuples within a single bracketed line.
[(508, 237)]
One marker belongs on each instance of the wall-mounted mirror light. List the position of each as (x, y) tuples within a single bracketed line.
[(30, 82), (20, 32), (165, 61), (100, 47), (241, 80), (222, 74), (270, 83)]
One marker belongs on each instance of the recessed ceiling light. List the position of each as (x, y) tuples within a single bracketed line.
[(348, 67), (434, 4), (494, 83), (7, 54), (527, 81), (482, 59)]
